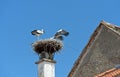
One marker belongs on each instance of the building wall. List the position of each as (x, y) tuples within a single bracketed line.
[(103, 54)]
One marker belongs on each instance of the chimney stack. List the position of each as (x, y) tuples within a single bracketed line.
[(46, 68), (46, 50)]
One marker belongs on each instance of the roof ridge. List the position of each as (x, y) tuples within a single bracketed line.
[(112, 27)]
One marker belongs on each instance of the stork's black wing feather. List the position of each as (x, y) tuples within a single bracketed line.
[(60, 37), (62, 32), (66, 33), (34, 32), (58, 33)]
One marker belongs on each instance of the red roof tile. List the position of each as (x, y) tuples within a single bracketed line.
[(110, 73)]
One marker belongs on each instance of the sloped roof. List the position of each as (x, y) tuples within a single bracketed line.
[(112, 27), (114, 72)]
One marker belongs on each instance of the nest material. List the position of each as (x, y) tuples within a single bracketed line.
[(47, 45)]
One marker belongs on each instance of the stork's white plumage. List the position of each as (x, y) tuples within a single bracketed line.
[(60, 30), (37, 32)]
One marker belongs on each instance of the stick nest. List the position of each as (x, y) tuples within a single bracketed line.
[(47, 45)]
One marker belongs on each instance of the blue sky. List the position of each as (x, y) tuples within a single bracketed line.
[(19, 17)]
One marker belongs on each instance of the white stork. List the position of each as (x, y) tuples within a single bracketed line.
[(37, 33), (60, 33)]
